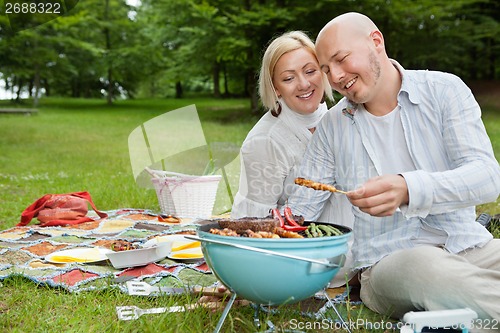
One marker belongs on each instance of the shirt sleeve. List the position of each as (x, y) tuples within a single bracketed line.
[(264, 166), (473, 176), (318, 165)]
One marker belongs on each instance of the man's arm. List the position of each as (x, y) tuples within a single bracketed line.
[(318, 165)]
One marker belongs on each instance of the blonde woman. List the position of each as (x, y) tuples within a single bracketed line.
[(292, 88)]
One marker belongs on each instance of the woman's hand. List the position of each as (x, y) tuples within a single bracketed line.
[(380, 196)]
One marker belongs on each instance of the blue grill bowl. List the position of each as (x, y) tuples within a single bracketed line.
[(269, 279)]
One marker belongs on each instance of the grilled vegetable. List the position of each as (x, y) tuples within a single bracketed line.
[(292, 224), (322, 230), (313, 230), (328, 231), (277, 215), (287, 233), (289, 217)]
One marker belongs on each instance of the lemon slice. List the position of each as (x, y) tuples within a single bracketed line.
[(186, 256), (189, 245), (82, 255), (70, 259)]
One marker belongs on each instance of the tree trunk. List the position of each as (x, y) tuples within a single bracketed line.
[(47, 88), (30, 88), (110, 86), (490, 75), (19, 87), (36, 80), (226, 84), (108, 49), (252, 91), (250, 80), (37, 85), (178, 89), (216, 78), (75, 92), (152, 86), (473, 67), (12, 86)]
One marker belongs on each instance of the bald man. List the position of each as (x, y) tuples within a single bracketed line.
[(412, 151)]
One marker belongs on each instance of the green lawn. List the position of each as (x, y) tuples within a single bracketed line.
[(81, 145)]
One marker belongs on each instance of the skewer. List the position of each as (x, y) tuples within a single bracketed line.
[(317, 186)]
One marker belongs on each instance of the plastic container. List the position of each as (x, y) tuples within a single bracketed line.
[(140, 257)]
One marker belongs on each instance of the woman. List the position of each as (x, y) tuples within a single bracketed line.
[(292, 87)]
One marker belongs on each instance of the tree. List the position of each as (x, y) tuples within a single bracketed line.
[(100, 49)]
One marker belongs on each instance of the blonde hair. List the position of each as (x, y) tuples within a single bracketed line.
[(285, 43)]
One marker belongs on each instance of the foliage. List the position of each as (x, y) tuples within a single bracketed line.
[(80, 54), (109, 48), (442, 35)]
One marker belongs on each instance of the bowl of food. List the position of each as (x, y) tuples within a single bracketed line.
[(126, 254), (274, 270)]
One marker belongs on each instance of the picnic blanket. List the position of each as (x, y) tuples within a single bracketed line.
[(23, 251)]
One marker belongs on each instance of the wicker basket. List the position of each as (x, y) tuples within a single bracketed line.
[(187, 196)]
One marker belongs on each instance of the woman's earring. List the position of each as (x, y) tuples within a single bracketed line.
[(276, 111)]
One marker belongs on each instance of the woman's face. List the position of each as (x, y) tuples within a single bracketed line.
[(297, 79)]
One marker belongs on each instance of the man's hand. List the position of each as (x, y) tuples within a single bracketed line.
[(380, 196)]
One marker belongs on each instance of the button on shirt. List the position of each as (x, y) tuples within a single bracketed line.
[(455, 168)]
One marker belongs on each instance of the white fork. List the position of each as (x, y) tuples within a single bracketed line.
[(145, 289), (133, 312)]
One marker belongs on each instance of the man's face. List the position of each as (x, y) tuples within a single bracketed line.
[(350, 63)]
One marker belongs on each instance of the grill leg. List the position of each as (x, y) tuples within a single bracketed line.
[(225, 312), (344, 324), (256, 320)]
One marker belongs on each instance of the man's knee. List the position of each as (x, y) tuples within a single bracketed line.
[(415, 261)]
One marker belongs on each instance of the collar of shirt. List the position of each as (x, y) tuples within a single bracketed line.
[(406, 86)]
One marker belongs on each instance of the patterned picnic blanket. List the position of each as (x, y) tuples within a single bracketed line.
[(23, 251)]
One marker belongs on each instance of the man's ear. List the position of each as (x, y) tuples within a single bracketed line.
[(377, 39)]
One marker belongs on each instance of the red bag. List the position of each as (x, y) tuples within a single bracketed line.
[(60, 210)]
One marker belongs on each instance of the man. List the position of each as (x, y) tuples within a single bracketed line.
[(412, 151)]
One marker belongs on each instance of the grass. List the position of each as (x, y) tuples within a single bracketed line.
[(77, 145), (81, 145)]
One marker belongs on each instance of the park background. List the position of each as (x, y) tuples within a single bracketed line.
[(115, 49)]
